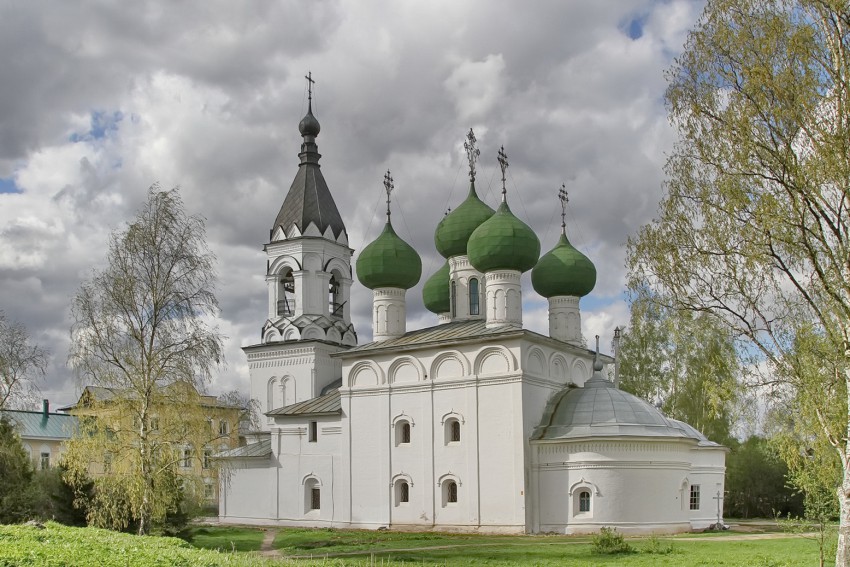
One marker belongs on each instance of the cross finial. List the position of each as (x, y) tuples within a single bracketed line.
[(472, 153), (503, 164), (310, 83), (564, 198), (388, 186)]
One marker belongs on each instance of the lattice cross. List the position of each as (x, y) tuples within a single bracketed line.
[(388, 187), (503, 164), (310, 83), (564, 198), (472, 153)]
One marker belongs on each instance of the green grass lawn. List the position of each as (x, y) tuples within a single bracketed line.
[(226, 538)]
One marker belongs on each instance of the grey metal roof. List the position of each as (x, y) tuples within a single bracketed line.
[(328, 404), (447, 332), (309, 199), (38, 425), (600, 410), (254, 450)]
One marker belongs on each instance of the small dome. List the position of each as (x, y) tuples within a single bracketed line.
[(454, 230), (563, 271), (435, 292), (600, 410), (503, 242), (309, 126), (389, 261)]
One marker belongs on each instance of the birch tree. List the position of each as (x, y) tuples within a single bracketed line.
[(143, 342), (21, 364), (753, 227)]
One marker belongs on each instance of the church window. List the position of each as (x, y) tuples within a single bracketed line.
[(452, 431), (312, 495), (454, 298), (584, 501), (451, 492), (694, 497), (286, 298), (474, 297), (402, 492), (315, 498), (402, 432), (313, 434), (45, 461)]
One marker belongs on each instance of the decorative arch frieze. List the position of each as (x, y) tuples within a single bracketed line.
[(582, 483), (559, 368), (493, 360), (398, 372), (365, 373), (446, 359), (535, 362)]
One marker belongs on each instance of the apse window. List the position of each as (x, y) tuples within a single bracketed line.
[(315, 498), (584, 501), (694, 497), (402, 432), (451, 492), (452, 431), (313, 432)]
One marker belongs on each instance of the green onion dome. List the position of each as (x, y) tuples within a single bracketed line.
[(454, 230), (435, 292), (389, 261), (563, 271), (503, 242)]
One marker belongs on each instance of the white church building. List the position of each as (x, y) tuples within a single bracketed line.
[(474, 424)]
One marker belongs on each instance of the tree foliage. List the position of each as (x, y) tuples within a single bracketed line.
[(684, 361), (21, 363), (15, 474), (142, 338), (756, 482), (753, 228)]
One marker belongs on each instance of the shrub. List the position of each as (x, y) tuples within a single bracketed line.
[(657, 546), (609, 542)]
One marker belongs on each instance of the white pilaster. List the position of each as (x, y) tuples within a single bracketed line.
[(565, 319), (389, 313), (504, 298)]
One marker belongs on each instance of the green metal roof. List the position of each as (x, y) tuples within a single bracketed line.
[(454, 230), (38, 425), (435, 292), (563, 271), (503, 242), (389, 261), (329, 404)]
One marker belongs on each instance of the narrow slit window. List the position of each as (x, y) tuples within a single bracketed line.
[(474, 297), (313, 434)]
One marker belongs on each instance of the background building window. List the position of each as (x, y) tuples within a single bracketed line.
[(694, 497), (223, 427), (313, 432), (584, 501), (186, 458), (209, 491), (207, 458), (45, 461), (473, 297)]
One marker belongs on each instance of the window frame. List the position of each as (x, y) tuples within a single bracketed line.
[(474, 297), (584, 500), (694, 497), (44, 460), (315, 498), (313, 431)]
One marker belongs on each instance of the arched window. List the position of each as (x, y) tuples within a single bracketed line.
[(286, 295), (402, 432), (334, 300), (454, 298), (474, 297), (402, 492), (452, 431), (312, 495), (584, 501), (451, 492)]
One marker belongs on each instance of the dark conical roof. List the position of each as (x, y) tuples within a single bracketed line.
[(309, 200)]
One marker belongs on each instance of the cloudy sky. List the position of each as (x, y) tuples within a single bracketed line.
[(99, 100)]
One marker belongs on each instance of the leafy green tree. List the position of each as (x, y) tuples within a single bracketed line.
[(756, 482), (15, 474), (754, 228), (141, 337), (684, 361)]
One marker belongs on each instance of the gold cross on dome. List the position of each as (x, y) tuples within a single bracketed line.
[(472, 153), (503, 164)]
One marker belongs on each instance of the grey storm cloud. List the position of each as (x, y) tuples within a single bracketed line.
[(101, 99)]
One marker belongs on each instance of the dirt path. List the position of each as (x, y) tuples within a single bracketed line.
[(267, 551)]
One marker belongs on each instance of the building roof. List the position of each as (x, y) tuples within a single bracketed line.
[(103, 394), (327, 404), (599, 410), (38, 425), (254, 450), (309, 200)]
